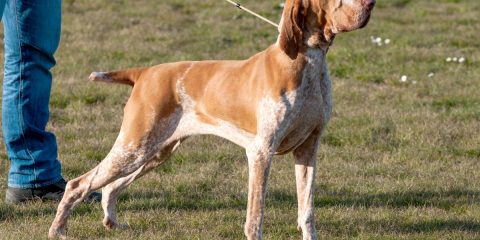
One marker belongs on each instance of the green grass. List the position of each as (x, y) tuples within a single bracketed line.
[(398, 160)]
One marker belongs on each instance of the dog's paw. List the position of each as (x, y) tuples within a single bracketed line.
[(308, 234), (308, 231), (57, 233), (111, 225)]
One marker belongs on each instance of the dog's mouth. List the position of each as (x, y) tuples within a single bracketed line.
[(365, 15), (365, 20)]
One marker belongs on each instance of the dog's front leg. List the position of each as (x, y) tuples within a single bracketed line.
[(305, 159), (259, 161)]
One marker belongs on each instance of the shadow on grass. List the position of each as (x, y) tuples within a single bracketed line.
[(23, 211), (443, 200), (36, 209), (207, 200), (440, 225), (150, 201), (188, 202), (395, 226)]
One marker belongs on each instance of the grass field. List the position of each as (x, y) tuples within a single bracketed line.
[(399, 160)]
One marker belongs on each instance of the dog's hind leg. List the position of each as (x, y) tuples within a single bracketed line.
[(112, 190), (118, 163), (305, 161), (146, 127)]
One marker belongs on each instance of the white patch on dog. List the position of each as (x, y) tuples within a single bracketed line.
[(96, 76), (187, 102)]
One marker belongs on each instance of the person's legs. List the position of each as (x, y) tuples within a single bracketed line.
[(2, 6), (32, 34)]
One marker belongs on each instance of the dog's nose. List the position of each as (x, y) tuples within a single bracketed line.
[(368, 4)]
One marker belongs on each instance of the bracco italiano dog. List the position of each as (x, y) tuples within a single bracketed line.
[(276, 102)]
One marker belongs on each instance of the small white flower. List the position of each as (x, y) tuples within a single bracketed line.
[(404, 78), (378, 40), (430, 75), (414, 82), (387, 41), (461, 60), (455, 59), (449, 59), (379, 44), (282, 5)]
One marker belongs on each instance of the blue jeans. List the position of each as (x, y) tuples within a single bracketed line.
[(32, 34)]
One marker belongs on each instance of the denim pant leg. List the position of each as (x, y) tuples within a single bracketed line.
[(2, 6), (32, 34)]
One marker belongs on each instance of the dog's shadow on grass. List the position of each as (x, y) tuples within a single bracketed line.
[(325, 199), (204, 200), (153, 200), (444, 200), (39, 209)]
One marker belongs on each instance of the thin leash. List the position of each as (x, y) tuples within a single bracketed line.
[(252, 12)]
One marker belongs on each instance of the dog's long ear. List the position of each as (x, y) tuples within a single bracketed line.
[(292, 26)]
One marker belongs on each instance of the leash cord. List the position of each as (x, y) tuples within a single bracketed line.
[(238, 5)]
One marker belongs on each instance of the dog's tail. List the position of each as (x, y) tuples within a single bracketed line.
[(128, 76)]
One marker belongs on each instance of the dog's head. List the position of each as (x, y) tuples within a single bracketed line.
[(314, 23)]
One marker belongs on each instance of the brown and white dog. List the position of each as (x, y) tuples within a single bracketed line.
[(275, 102)]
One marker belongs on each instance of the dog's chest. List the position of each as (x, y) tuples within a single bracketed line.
[(311, 103)]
